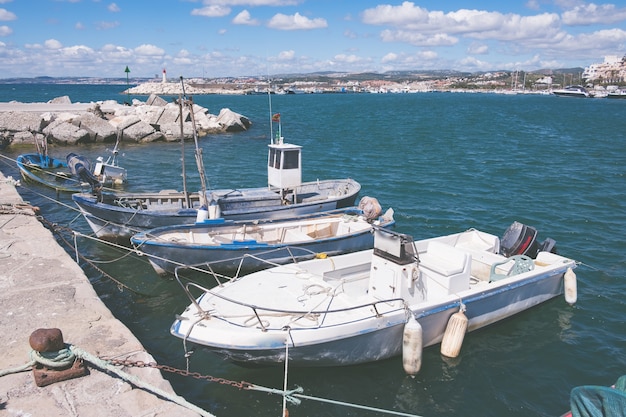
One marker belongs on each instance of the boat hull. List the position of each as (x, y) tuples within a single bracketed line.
[(381, 338), (352, 308), (120, 215)]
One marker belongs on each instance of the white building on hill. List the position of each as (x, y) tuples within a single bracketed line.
[(612, 70)]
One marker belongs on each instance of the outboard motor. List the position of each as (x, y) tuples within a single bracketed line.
[(520, 239), (81, 168)]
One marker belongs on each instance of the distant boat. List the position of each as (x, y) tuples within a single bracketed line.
[(364, 306), (114, 215), (227, 246), (54, 173), (572, 91), (108, 172), (617, 94), (74, 174)]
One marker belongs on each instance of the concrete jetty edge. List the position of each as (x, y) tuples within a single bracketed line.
[(41, 286)]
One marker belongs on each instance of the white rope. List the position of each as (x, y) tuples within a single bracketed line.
[(285, 380), (362, 407)]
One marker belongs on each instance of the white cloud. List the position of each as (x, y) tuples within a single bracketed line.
[(286, 55), (244, 18), (113, 8), (386, 14), (349, 59), (591, 13), (53, 44), (76, 52), (599, 43), (478, 49), (295, 22), (349, 34), (390, 57), (107, 25), (6, 15), (416, 38), (151, 50), (79, 26), (5, 30), (419, 26), (533, 4), (183, 57), (211, 11), (471, 63)]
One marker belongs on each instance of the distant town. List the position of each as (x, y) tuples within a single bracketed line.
[(601, 78)]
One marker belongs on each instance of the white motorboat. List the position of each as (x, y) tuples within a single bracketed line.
[(572, 91), (357, 307)]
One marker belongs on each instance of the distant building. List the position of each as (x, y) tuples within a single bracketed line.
[(544, 80), (612, 70)]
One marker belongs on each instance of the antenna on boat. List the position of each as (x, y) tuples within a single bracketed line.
[(269, 98), (274, 118), (198, 152)]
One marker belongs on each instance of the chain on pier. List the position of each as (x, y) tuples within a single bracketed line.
[(182, 372)]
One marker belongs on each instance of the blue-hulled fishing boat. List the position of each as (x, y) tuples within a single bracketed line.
[(114, 215), (227, 246)]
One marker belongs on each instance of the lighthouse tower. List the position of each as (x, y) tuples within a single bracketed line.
[(164, 80)]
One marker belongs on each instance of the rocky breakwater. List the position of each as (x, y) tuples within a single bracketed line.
[(60, 121)]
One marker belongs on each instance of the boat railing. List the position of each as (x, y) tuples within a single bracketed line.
[(379, 308), (238, 263)]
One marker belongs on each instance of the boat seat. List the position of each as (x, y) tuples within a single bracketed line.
[(521, 264), (293, 235), (446, 269)]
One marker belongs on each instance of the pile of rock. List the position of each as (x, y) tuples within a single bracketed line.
[(58, 121)]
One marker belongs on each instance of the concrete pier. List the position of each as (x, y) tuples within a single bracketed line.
[(42, 287)]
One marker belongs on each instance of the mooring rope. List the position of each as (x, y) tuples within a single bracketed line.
[(65, 357)]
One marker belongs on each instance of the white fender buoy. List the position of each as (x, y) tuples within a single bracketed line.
[(202, 215), (454, 334), (569, 282), (214, 210), (412, 346)]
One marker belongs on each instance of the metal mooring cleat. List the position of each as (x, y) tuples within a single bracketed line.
[(54, 361)]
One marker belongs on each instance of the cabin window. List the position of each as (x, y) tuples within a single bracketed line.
[(291, 159), (274, 159)]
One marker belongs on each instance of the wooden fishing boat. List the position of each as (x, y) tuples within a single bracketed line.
[(75, 174), (51, 172), (399, 297), (226, 246), (113, 215)]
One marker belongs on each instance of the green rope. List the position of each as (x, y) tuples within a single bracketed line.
[(18, 369), (65, 357)]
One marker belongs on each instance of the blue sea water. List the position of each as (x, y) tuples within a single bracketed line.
[(445, 162)]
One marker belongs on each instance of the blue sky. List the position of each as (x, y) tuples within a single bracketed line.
[(215, 38)]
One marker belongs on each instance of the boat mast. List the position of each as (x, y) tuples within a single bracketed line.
[(198, 152), (182, 143), (269, 98)]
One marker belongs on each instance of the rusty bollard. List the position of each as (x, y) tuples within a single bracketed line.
[(49, 341)]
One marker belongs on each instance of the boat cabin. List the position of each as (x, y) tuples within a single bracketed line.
[(284, 165)]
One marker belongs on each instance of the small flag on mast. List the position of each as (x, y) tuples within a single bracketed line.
[(276, 117)]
